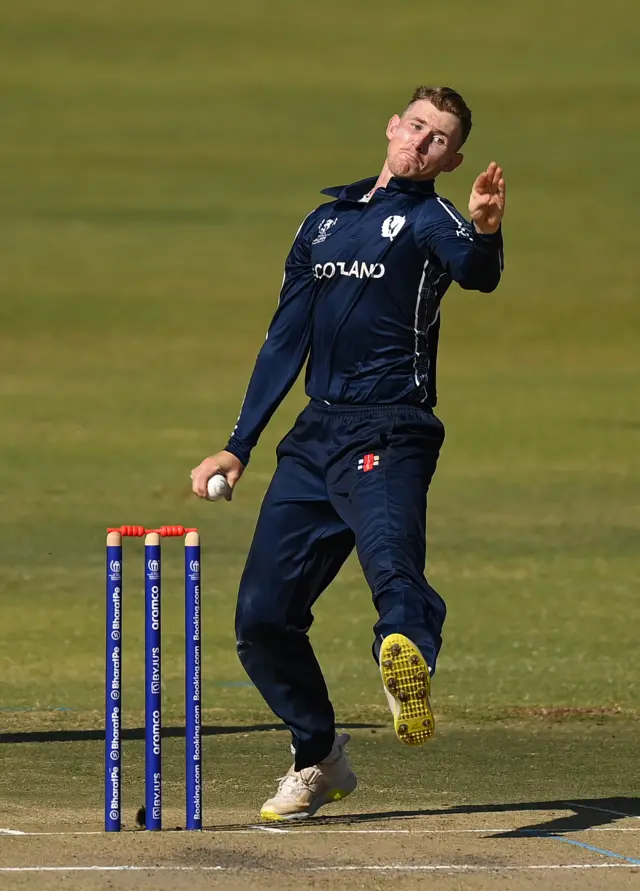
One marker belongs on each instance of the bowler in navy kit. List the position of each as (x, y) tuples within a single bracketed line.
[(360, 305)]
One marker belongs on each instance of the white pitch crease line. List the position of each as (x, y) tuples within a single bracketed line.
[(609, 829), (111, 868), (397, 867), (445, 867), (266, 829), (66, 834), (488, 831)]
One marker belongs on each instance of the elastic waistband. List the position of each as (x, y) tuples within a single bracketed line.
[(371, 411)]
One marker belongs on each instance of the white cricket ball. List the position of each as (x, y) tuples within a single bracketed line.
[(217, 488)]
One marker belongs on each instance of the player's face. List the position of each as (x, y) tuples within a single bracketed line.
[(423, 142)]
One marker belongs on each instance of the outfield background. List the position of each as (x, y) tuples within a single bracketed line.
[(156, 160)]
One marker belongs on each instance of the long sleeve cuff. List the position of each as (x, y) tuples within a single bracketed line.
[(241, 450), (491, 240)]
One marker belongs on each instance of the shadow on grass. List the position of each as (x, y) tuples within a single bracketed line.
[(588, 813), (49, 736)]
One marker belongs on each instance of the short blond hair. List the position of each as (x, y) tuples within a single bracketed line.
[(446, 99)]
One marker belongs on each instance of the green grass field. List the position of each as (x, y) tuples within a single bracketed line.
[(155, 161)]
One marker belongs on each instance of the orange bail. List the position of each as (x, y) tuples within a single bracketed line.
[(172, 530), (129, 530), (164, 531)]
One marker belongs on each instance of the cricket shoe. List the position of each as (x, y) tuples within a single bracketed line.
[(407, 684), (301, 792)]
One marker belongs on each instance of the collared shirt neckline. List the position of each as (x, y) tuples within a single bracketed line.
[(355, 191)]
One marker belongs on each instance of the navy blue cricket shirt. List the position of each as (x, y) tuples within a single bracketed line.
[(361, 298)]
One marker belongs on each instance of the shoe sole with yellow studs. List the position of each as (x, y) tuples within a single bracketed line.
[(407, 682)]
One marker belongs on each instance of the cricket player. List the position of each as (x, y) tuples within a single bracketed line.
[(360, 305)]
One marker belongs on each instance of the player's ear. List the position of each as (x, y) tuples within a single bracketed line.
[(453, 162), (392, 126)]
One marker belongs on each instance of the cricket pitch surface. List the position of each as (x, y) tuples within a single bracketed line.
[(573, 845)]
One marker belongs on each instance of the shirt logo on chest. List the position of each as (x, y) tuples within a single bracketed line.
[(391, 227), (323, 230)]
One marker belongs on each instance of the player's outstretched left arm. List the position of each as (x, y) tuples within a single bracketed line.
[(487, 200), (470, 252)]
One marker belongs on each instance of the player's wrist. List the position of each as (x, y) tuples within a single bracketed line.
[(239, 451), (481, 229)]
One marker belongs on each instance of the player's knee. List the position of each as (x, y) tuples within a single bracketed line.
[(398, 580), (256, 624), (394, 560)]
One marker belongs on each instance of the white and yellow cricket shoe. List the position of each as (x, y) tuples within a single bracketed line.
[(302, 792), (407, 684)]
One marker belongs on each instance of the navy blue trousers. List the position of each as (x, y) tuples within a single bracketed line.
[(345, 477)]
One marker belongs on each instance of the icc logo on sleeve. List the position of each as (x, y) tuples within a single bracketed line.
[(323, 231)]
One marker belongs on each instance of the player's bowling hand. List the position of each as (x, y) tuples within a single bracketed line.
[(487, 201), (225, 463)]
